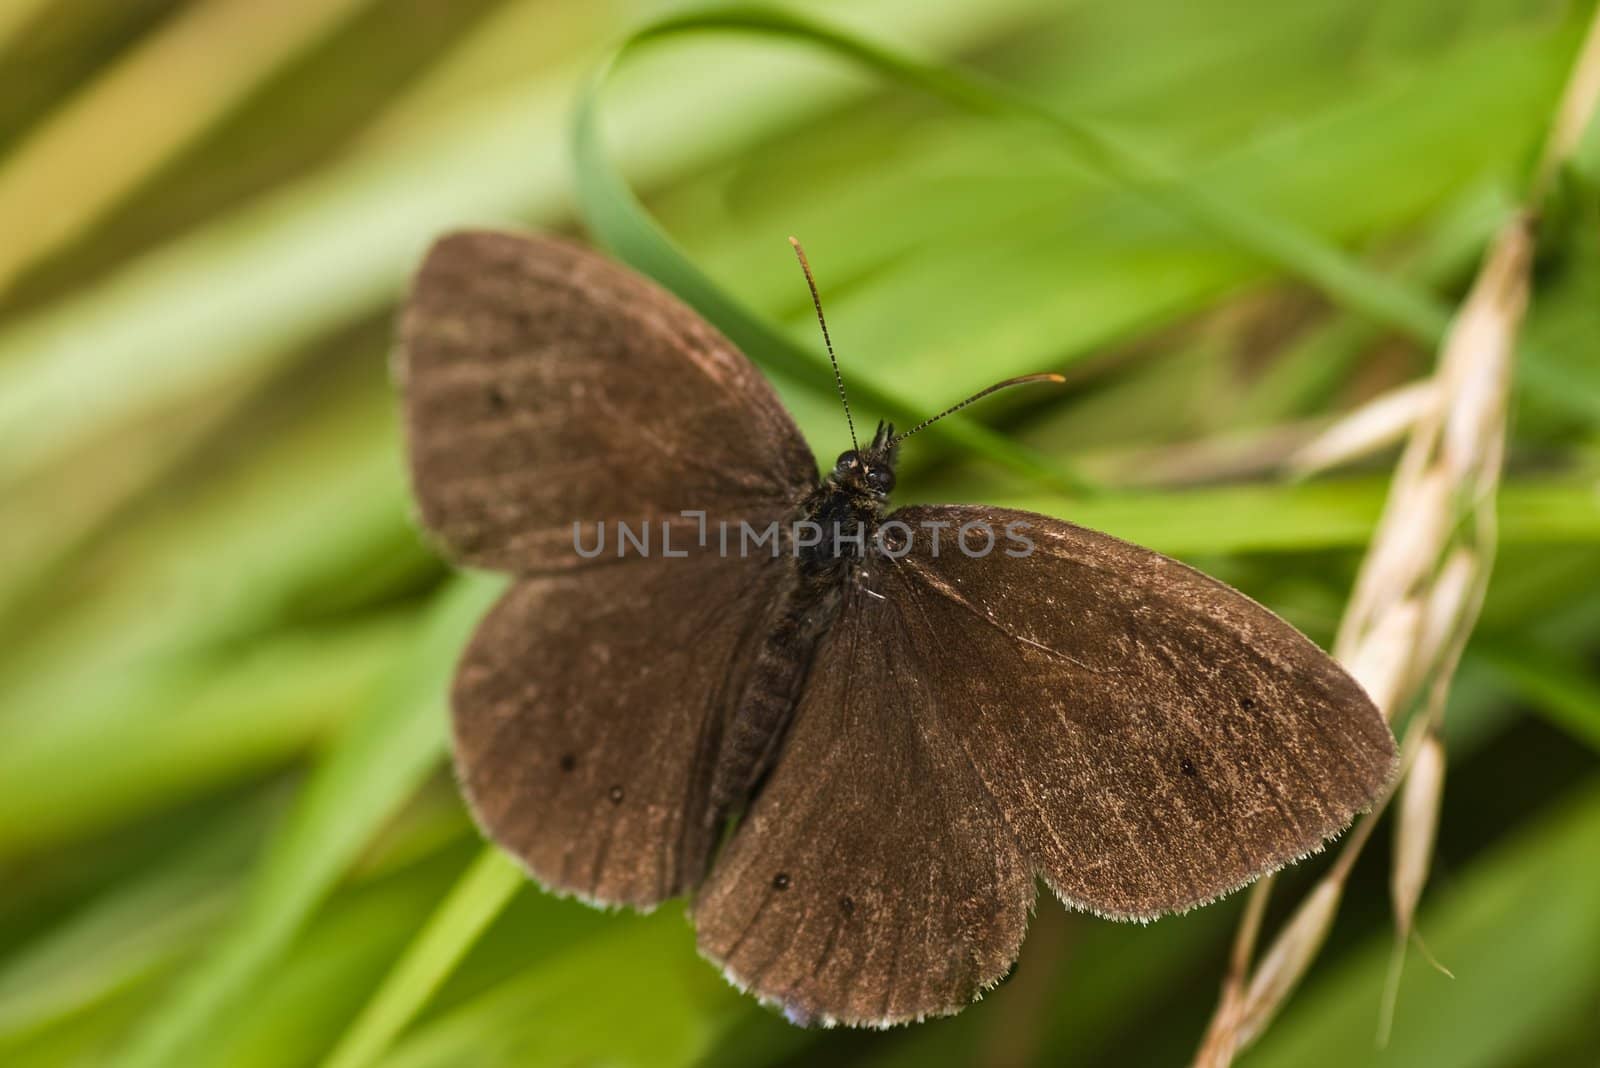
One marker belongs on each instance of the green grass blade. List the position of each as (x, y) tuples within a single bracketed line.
[(637, 996), (1556, 686), (475, 901), (1315, 515), (371, 771)]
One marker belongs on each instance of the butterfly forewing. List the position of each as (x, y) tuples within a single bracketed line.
[(1153, 737), (546, 386)]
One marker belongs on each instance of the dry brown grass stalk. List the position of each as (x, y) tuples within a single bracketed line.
[(1420, 587), (1383, 421)]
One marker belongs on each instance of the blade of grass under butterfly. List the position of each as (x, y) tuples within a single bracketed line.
[(386, 752), (297, 1008), (1305, 516), (478, 897), (638, 995)]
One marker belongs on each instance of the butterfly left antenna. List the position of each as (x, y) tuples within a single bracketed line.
[(816, 301)]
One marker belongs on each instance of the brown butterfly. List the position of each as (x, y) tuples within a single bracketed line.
[(857, 756)]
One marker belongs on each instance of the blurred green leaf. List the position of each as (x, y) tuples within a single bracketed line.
[(1558, 687), (236, 297), (157, 739), (638, 996), (1316, 515), (134, 930), (476, 900), (380, 761)]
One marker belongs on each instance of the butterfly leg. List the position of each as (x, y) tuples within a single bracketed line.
[(861, 580)]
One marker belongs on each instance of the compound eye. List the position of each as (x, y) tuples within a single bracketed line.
[(847, 461), (881, 479)]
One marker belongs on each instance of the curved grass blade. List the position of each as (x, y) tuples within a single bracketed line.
[(617, 217), (620, 221)]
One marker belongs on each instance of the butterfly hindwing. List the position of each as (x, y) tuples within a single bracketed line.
[(872, 880), (587, 710)]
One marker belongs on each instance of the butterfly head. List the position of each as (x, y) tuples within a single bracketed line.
[(871, 470)]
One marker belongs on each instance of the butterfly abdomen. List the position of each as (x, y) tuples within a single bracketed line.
[(833, 529), (761, 717)]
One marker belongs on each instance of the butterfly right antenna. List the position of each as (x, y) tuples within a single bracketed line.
[(816, 301), (997, 387)]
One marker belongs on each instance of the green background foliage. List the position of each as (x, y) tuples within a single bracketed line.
[(227, 834)]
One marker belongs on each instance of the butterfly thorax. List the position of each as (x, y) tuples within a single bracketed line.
[(842, 514), (836, 528)]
